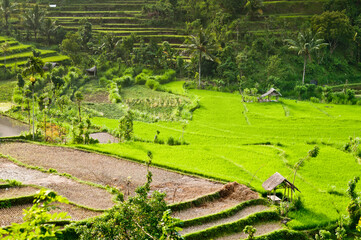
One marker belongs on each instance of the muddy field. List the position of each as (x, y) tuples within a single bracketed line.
[(15, 213), (78, 193), (111, 171)]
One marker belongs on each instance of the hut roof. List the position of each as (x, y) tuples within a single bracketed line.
[(92, 70), (53, 65), (275, 180), (271, 92)]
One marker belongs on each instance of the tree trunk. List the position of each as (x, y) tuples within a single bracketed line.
[(304, 69), (79, 108), (33, 113), (199, 70)]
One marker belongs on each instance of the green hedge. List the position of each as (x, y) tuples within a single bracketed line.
[(283, 234), (233, 227), (17, 201), (224, 214)]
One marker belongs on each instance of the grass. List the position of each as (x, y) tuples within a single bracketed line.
[(7, 88), (223, 145)]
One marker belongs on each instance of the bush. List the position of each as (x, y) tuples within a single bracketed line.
[(172, 141), (168, 76), (103, 81), (114, 95), (141, 78), (152, 84), (125, 81), (314, 100)]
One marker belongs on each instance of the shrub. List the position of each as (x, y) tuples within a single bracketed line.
[(13, 183), (103, 81), (190, 85), (125, 81), (52, 170), (314, 100), (168, 76), (141, 78), (152, 84), (172, 141)]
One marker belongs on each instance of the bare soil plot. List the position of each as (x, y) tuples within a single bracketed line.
[(99, 97), (104, 137), (241, 214), (109, 170), (78, 193), (232, 195), (14, 192), (262, 229), (15, 213)]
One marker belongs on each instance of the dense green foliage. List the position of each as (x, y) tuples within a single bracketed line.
[(224, 143), (139, 217), (231, 46)]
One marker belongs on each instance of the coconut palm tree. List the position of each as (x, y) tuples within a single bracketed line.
[(33, 66), (200, 46), (79, 97), (33, 19), (5, 48), (6, 9), (305, 44), (49, 27)]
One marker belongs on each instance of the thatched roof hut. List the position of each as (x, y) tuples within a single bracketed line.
[(92, 71), (278, 181), (271, 93), (49, 65)]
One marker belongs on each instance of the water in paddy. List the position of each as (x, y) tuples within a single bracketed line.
[(10, 127)]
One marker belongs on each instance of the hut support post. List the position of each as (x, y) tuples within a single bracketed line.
[(284, 194)]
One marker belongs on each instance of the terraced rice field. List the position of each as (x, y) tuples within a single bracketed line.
[(248, 142), (19, 53), (120, 18)]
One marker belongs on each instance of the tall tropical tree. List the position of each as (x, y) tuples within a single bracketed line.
[(201, 46), (6, 9), (5, 48), (33, 19), (49, 28), (305, 44), (33, 66), (79, 97)]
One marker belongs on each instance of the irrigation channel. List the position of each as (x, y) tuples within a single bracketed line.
[(10, 127)]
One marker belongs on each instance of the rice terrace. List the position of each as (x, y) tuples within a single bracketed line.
[(180, 119)]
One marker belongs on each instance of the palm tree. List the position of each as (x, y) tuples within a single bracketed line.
[(33, 66), (305, 44), (33, 19), (201, 47), (5, 48), (49, 27), (79, 98), (6, 9)]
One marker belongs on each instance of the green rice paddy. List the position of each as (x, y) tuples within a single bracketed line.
[(248, 142), (19, 53)]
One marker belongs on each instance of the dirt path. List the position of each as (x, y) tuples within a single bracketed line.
[(262, 229), (15, 213), (76, 192), (17, 192), (109, 170), (241, 214)]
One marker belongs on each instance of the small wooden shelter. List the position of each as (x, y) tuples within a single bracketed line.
[(277, 181), (271, 93), (92, 71), (49, 64)]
